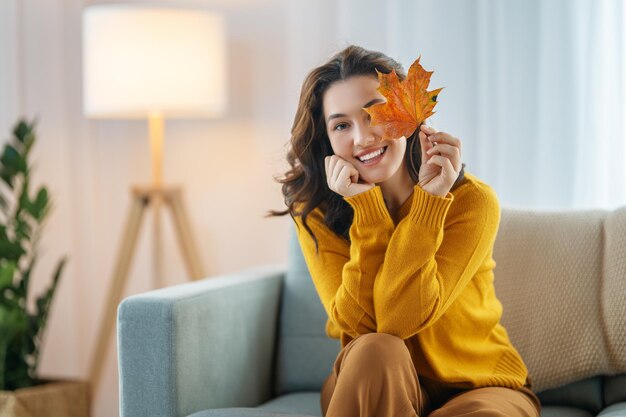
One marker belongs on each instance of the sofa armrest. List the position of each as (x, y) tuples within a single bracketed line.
[(201, 345)]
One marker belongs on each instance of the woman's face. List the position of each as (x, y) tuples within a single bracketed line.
[(351, 136)]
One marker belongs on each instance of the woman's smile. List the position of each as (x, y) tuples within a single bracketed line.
[(372, 158)]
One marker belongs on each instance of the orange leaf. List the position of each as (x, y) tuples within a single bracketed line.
[(408, 103)]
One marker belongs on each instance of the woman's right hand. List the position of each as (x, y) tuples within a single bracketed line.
[(343, 178)]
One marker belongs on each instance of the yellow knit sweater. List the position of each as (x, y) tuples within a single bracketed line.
[(425, 276)]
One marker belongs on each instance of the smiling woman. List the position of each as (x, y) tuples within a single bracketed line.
[(398, 242), (354, 140)]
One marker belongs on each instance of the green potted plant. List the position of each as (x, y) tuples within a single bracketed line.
[(22, 392)]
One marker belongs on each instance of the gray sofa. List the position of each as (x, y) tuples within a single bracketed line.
[(253, 343)]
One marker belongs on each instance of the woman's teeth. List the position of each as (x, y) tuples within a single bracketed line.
[(372, 155)]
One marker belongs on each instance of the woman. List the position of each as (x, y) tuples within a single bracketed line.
[(398, 241)]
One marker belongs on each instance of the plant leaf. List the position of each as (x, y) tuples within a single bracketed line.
[(12, 164), (20, 331), (408, 102), (22, 130), (40, 204), (40, 318), (22, 230), (11, 250), (7, 272)]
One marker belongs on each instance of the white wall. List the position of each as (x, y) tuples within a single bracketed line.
[(9, 74)]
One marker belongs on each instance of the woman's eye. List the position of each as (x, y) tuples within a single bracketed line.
[(341, 126)]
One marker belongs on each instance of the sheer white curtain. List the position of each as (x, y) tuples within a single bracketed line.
[(535, 89), (551, 93)]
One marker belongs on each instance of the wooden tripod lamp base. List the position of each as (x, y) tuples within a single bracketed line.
[(148, 39), (143, 197)]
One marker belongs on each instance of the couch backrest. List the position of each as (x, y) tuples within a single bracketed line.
[(305, 354), (561, 277)]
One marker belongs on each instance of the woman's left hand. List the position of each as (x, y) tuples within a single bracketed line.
[(441, 161)]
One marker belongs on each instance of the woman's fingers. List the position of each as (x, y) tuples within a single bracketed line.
[(336, 166), (427, 178), (443, 137), (444, 149), (435, 136), (332, 164), (451, 152), (331, 171), (443, 162), (440, 143), (429, 130), (425, 145), (342, 177), (327, 161)]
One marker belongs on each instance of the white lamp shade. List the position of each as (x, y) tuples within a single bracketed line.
[(140, 60)]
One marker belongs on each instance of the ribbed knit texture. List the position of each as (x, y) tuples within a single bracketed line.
[(369, 207), (428, 278)]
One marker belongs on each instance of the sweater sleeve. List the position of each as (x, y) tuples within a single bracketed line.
[(343, 272), (432, 255)]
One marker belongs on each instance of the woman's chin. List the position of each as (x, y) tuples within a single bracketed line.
[(374, 179)]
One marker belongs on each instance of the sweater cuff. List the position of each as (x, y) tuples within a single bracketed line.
[(369, 207), (429, 210)]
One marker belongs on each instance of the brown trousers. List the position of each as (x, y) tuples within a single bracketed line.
[(374, 376)]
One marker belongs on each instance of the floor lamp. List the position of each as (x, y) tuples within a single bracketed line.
[(142, 62)]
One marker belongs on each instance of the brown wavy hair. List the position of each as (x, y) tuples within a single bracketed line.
[(304, 185)]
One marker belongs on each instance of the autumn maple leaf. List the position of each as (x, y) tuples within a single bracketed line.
[(408, 103)]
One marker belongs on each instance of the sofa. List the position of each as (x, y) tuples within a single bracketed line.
[(253, 343)]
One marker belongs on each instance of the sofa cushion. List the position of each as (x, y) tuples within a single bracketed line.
[(564, 412), (585, 394), (564, 317), (305, 354), (243, 412), (616, 410), (613, 305), (615, 389), (300, 402)]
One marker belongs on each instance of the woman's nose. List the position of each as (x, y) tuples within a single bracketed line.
[(364, 136)]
